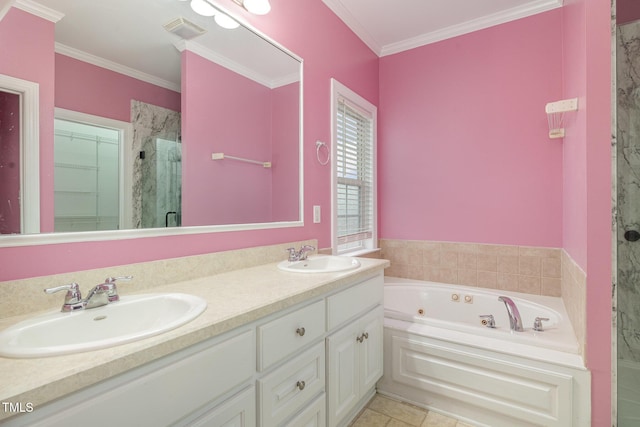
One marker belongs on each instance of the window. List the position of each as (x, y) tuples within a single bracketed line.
[(353, 171)]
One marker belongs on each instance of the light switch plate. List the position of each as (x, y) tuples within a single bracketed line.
[(316, 214)]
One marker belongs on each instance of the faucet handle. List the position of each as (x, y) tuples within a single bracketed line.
[(293, 255), (113, 279), (73, 298), (303, 251), (537, 323), (488, 320), (109, 286)]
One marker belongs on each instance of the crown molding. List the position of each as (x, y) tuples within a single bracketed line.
[(114, 66), (39, 10), (227, 63), (471, 26), (532, 8), (338, 8)]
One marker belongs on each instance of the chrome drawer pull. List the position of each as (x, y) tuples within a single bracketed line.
[(300, 385), (300, 331), (364, 336)]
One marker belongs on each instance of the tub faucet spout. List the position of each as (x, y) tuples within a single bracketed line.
[(515, 322)]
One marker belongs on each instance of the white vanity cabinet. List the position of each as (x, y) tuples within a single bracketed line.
[(167, 391), (354, 352), (285, 369)]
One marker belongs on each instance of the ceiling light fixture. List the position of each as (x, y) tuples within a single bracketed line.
[(225, 21), (257, 7), (202, 7)]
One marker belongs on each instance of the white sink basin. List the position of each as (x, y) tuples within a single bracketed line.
[(130, 319), (321, 264)]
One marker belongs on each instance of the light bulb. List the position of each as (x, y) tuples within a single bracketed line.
[(225, 21), (258, 7), (202, 7)]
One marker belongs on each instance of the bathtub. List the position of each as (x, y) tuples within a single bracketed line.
[(439, 354)]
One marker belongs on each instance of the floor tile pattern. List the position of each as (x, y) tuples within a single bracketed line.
[(382, 411)]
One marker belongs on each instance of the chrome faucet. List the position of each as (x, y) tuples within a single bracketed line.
[(100, 295), (515, 322), (300, 255)]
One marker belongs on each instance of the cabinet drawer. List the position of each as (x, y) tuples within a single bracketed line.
[(312, 416), (353, 301), (239, 411), (284, 335), (286, 390)]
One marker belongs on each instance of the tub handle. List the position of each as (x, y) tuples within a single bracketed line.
[(537, 323), (488, 320)]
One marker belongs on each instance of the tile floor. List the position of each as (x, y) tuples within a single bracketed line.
[(382, 411)]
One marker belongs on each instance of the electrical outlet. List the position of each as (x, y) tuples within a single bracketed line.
[(316, 214)]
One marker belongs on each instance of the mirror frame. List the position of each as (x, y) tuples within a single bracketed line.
[(30, 158)]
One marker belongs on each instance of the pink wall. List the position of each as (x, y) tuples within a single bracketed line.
[(464, 153), (587, 180), (285, 103), (9, 163), (29, 56), (89, 89), (312, 32), (224, 191)]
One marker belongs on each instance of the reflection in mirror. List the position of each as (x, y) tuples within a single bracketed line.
[(19, 156), (185, 96), (9, 163)]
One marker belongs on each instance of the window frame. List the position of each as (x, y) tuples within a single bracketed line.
[(340, 91)]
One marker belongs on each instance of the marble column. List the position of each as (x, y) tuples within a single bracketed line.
[(628, 190)]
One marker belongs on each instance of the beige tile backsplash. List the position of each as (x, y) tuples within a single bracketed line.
[(25, 295), (514, 268)]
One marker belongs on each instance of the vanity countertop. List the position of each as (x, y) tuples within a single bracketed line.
[(234, 299)]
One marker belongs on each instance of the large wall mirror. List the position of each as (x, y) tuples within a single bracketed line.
[(165, 123)]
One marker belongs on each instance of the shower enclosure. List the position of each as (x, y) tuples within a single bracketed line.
[(161, 169), (628, 223)]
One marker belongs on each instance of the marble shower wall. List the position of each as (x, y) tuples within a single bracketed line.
[(149, 122), (628, 190)]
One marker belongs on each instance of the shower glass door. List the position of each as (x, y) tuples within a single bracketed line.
[(161, 168)]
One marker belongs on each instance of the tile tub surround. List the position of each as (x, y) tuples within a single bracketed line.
[(26, 296), (527, 269), (234, 299)]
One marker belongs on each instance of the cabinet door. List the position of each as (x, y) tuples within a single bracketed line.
[(239, 411), (371, 349), (342, 365)]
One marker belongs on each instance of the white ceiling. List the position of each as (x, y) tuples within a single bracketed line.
[(128, 35), (391, 26)]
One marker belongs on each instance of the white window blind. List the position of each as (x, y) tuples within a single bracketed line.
[(355, 185)]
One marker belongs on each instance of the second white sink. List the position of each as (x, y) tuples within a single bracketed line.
[(321, 264), (130, 319)]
